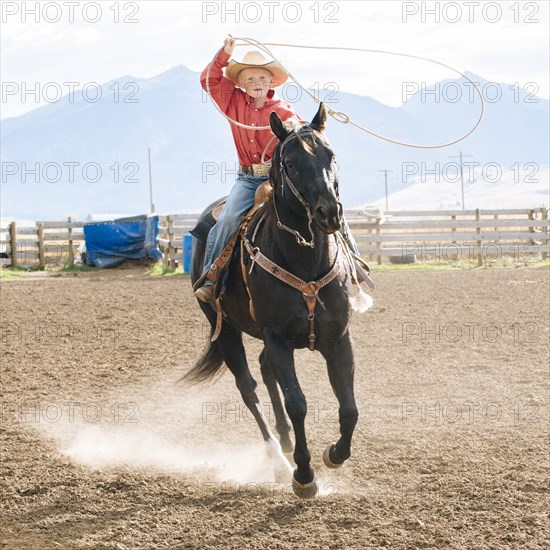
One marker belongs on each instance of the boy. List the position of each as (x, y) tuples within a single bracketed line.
[(252, 107)]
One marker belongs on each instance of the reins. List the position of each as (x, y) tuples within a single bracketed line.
[(340, 116), (285, 179), (310, 290)]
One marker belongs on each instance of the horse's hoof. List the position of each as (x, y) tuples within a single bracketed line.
[(305, 490), (328, 462)]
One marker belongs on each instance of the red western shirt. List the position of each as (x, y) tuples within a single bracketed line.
[(239, 106)]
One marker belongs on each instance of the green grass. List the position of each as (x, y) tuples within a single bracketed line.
[(11, 274), (434, 266), (77, 268), (158, 270), (508, 261), (425, 266), (542, 263)]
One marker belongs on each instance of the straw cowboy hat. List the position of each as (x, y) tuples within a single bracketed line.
[(255, 60)]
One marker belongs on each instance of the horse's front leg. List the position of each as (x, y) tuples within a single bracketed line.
[(340, 365), (281, 357)]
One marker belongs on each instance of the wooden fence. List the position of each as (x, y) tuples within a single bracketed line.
[(47, 243), (172, 229), (445, 236)]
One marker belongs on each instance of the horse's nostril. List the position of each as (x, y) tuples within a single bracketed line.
[(327, 216)]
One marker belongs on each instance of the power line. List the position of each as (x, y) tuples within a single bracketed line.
[(460, 156), (386, 185), (150, 183)]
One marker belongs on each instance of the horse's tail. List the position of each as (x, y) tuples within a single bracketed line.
[(208, 366)]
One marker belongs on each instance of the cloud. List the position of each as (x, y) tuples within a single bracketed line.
[(166, 34)]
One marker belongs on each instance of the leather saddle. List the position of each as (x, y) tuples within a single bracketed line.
[(212, 212), (262, 197), (208, 218)]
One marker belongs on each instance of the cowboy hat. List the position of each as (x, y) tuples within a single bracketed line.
[(255, 60)]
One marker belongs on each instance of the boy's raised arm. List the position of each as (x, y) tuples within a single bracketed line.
[(221, 88)]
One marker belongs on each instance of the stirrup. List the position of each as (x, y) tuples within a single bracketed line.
[(363, 270), (204, 295), (361, 262)]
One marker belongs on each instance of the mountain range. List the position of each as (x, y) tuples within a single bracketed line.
[(52, 156)]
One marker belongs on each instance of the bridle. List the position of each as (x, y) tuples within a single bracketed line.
[(309, 290), (285, 179)]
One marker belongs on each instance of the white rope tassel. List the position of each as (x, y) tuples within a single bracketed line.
[(359, 300)]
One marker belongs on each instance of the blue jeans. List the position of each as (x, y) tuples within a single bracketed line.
[(346, 233), (238, 203)]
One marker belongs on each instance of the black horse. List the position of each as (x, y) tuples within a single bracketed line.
[(305, 202)]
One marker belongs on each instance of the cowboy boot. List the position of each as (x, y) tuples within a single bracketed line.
[(205, 293)]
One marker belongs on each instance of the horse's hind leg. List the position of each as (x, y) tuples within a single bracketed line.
[(281, 420), (231, 346), (340, 364)]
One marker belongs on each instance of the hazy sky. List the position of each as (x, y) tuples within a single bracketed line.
[(76, 43)]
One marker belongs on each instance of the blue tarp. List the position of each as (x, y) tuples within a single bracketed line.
[(151, 238), (110, 243), (187, 250)]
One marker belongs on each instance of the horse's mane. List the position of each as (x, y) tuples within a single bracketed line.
[(306, 145)]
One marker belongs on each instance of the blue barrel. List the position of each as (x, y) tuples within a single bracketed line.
[(187, 246)]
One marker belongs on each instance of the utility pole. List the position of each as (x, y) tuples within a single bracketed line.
[(150, 183), (386, 185), (460, 156)]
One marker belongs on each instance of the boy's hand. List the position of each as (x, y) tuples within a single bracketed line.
[(229, 45)]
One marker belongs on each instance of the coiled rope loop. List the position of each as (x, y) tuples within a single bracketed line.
[(340, 116)]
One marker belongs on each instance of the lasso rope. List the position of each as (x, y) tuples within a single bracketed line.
[(340, 116)]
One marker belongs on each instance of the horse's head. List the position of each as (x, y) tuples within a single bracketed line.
[(304, 164)]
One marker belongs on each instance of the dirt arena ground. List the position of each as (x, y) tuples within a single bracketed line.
[(102, 448)]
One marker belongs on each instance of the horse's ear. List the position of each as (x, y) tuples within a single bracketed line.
[(277, 126), (320, 119)]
